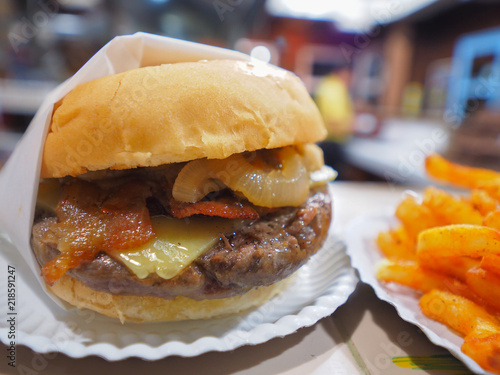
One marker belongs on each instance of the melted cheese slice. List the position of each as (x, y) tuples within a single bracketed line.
[(178, 243), (49, 192)]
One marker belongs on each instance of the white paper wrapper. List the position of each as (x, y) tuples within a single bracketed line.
[(20, 176)]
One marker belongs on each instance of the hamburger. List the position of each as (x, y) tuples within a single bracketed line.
[(181, 191)]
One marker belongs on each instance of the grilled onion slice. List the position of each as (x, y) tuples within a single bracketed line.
[(261, 185)]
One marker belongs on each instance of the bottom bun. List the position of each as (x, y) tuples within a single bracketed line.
[(153, 309)]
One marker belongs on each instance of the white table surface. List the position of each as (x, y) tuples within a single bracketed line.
[(398, 152), (361, 337)]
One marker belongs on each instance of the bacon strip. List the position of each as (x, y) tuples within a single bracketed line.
[(54, 269), (228, 207), (128, 224), (90, 222)]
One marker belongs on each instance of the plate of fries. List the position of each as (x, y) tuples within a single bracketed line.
[(436, 258)]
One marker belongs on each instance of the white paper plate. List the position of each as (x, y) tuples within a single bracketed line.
[(360, 238), (319, 288)]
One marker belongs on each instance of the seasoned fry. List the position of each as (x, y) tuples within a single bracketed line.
[(485, 284), (456, 312), (459, 175), (481, 330), (482, 202), (458, 240), (491, 187), (491, 263), (413, 275), (402, 234), (450, 210), (456, 267), (483, 344), (415, 217), (492, 220), (395, 244), (410, 273)]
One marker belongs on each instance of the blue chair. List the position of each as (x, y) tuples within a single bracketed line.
[(466, 88)]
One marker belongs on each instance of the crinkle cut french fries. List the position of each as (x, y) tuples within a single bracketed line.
[(448, 248)]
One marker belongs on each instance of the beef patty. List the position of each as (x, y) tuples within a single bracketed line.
[(258, 253)]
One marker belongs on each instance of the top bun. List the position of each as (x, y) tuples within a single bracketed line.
[(176, 113)]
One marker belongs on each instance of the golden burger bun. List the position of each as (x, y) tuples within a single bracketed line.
[(140, 309), (178, 112)]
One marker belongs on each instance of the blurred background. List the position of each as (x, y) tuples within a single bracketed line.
[(394, 79)]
